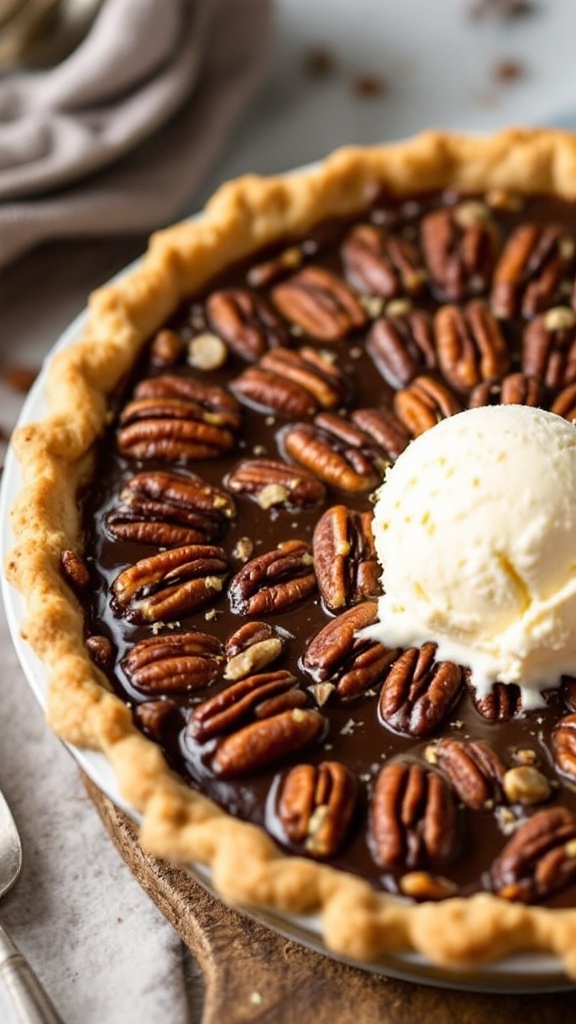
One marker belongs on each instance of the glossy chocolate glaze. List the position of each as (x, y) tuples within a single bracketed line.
[(356, 736)]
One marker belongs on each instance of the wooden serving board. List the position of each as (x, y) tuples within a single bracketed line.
[(252, 974)]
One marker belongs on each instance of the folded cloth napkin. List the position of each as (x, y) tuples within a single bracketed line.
[(116, 137)]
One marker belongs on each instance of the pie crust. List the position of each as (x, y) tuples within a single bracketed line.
[(57, 458)]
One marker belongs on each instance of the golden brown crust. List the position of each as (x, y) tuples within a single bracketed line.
[(56, 456)]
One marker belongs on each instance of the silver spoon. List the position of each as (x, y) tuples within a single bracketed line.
[(22, 998)]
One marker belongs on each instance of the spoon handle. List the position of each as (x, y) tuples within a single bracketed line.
[(22, 998)]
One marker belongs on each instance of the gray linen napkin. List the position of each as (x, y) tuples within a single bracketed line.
[(116, 138)]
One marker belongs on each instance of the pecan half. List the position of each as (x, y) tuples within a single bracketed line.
[(292, 383), (424, 403), (273, 483), (470, 344), (419, 691), (340, 654), (347, 569), (549, 347), (565, 403), (319, 303), (385, 428), (539, 859), (535, 261), (170, 584), (254, 697), (460, 244), (262, 743), (500, 705), (178, 663), (475, 770), (564, 746), (337, 452), (245, 321), (514, 389), (413, 819), (178, 419), (402, 346), (273, 581), (316, 805), (74, 570), (250, 649), (169, 509), (379, 262)]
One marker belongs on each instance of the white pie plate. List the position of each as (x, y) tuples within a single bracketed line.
[(526, 973)]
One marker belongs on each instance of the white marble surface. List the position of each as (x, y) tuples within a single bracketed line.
[(437, 63)]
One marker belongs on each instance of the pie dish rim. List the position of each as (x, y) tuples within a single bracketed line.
[(177, 822)]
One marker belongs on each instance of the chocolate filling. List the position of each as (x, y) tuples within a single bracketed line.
[(410, 258)]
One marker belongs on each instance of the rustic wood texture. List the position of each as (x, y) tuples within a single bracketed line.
[(254, 975)]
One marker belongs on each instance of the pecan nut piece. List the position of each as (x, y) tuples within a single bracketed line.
[(178, 419), (475, 770), (273, 581), (539, 859), (316, 805), (535, 261), (385, 428), (337, 451), (254, 697), (272, 483), (565, 403), (170, 584), (424, 403), (460, 246), (413, 819), (419, 691), (549, 347), (503, 702), (320, 303), (169, 509), (379, 262), (250, 649), (74, 570), (402, 346), (292, 383), (564, 746), (245, 321), (470, 343), (166, 349), (263, 743), (514, 389), (340, 654), (158, 718), (347, 569), (178, 663)]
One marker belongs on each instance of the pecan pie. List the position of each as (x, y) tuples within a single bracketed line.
[(194, 543)]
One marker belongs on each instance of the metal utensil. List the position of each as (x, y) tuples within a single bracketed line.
[(22, 998)]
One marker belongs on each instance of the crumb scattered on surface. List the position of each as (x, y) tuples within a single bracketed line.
[(507, 71), (368, 85), (501, 8), (319, 62)]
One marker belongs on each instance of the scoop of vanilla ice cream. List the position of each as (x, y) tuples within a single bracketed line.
[(475, 529)]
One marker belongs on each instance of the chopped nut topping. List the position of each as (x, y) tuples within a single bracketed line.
[(526, 785), (207, 352)]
